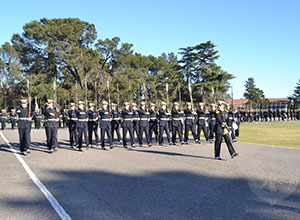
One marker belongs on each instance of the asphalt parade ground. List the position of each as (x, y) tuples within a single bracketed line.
[(161, 182)]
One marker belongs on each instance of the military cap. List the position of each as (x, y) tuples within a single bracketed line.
[(176, 103), (113, 104), (163, 103), (50, 101), (201, 103), (126, 103), (134, 104), (212, 104), (81, 102), (104, 103), (91, 104), (222, 103), (153, 104), (143, 103), (188, 103), (72, 104), (23, 101)]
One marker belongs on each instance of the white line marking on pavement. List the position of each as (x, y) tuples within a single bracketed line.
[(55, 204)]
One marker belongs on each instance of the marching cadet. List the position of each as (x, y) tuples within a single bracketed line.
[(59, 118), (236, 122), (222, 132), (92, 124), (163, 116), (65, 118), (51, 125), (24, 127), (126, 116), (3, 119), (153, 126), (189, 120), (144, 125), (176, 124), (201, 122), (105, 124), (115, 123), (81, 125), (13, 118), (230, 122), (37, 117), (72, 119), (135, 120), (212, 122)]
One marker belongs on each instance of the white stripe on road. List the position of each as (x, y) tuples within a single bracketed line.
[(55, 204)]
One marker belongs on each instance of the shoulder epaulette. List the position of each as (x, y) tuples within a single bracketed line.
[(217, 112)]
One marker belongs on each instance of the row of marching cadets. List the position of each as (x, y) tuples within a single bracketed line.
[(142, 122)]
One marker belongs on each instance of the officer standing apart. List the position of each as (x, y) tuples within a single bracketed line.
[(144, 124), (163, 116), (81, 125), (72, 119), (222, 131), (105, 125), (37, 117), (126, 116), (51, 125), (3, 119), (13, 118), (93, 124), (24, 127), (115, 122), (189, 116), (176, 124)]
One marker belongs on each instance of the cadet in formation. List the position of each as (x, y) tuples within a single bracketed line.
[(24, 127), (176, 123), (115, 122), (164, 117), (201, 122), (3, 119), (127, 125), (93, 124), (144, 118), (153, 125), (13, 118), (72, 120), (81, 125), (189, 123), (105, 125), (51, 126)]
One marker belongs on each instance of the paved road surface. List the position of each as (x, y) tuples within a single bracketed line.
[(170, 182)]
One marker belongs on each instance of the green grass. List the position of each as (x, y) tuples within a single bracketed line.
[(286, 134)]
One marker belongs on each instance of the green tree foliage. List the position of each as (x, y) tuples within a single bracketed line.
[(11, 75), (199, 68), (68, 49), (253, 94), (296, 95)]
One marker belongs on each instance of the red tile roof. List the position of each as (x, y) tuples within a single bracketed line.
[(278, 100), (237, 101)]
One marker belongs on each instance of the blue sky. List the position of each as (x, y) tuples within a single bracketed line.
[(255, 38)]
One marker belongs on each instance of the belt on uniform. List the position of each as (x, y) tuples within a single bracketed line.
[(144, 119), (127, 119), (26, 119), (52, 119), (176, 119), (135, 119), (152, 118), (230, 118), (189, 117), (164, 119), (213, 119), (105, 119), (95, 119), (13, 118), (116, 119), (201, 117), (82, 119), (4, 117)]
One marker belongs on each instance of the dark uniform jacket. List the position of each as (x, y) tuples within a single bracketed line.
[(127, 118), (153, 116), (93, 116), (163, 117), (221, 121), (212, 116), (51, 117), (24, 120), (82, 118), (201, 117), (189, 117), (105, 117), (175, 118), (144, 118)]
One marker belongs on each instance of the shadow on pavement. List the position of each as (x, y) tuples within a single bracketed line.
[(161, 195)]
